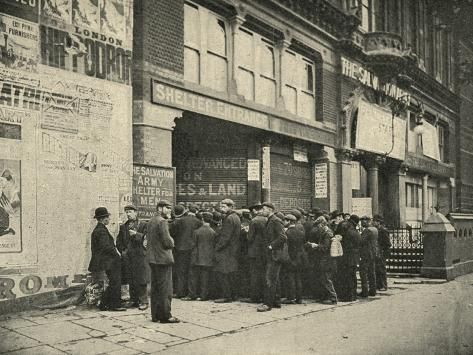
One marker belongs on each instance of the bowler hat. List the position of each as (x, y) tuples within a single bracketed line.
[(290, 217), (269, 205), (354, 218), (163, 203), (130, 208), (378, 217), (179, 210), (101, 212)]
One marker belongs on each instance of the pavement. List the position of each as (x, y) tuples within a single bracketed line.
[(410, 318)]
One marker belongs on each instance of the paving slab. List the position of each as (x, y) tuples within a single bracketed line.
[(142, 320), (136, 343), (53, 333), (186, 330), (109, 326), (89, 347), (153, 335), (251, 317), (16, 323), (213, 321), (11, 340), (38, 350), (125, 351)]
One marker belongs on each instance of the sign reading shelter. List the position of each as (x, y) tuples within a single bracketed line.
[(171, 96), (151, 184), (374, 131)]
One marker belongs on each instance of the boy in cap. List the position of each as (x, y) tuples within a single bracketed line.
[(106, 257), (202, 259), (293, 269), (160, 258), (130, 244)]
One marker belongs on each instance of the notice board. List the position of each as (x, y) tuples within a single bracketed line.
[(151, 184)]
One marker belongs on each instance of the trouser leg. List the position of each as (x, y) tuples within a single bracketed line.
[(112, 294), (183, 258), (272, 281), (298, 282), (194, 274), (161, 292), (204, 282), (290, 278), (372, 277), (257, 272), (328, 269), (364, 277), (224, 281), (381, 277)]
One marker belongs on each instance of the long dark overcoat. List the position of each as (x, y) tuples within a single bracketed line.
[(104, 253), (204, 251), (227, 247)]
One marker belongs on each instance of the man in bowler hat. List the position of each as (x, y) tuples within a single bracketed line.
[(160, 258), (106, 257), (130, 243)]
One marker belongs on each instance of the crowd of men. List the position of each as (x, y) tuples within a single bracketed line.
[(256, 255)]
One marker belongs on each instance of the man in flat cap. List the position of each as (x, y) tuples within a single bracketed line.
[(160, 258), (227, 249), (384, 244), (275, 239), (130, 244), (106, 257), (368, 254), (182, 229)]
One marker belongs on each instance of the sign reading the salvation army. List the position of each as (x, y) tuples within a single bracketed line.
[(151, 184), (25, 9)]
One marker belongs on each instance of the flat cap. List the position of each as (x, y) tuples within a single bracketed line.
[(255, 204), (163, 203), (296, 213), (290, 217), (365, 217), (280, 215), (354, 218), (269, 205), (130, 208), (228, 202)]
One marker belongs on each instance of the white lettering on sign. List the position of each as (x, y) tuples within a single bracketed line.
[(168, 95), (357, 72), (320, 180)]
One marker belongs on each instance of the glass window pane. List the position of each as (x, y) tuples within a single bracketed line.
[(191, 26), (216, 40), (309, 78), (216, 77), (290, 98), (191, 65), (266, 92), (244, 49), (365, 15), (306, 107), (246, 84), (266, 58)]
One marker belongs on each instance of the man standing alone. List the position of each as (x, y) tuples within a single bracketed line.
[(159, 254), (105, 257)]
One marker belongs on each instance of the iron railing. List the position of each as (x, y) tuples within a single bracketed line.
[(407, 250)]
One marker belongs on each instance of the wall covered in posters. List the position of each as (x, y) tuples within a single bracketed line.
[(91, 37), (65, 135)]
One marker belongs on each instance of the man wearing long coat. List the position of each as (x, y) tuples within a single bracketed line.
[(130, 241), (160, 258), (105, 257), (368, 254), (227, 250)]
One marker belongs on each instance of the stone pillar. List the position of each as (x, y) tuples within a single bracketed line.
[(235, 23), (438, 236), (395, 210), (344, 158), (266, 172), (425, 199), (152, 133), (281, 47), (254, 187), (373, 183)]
